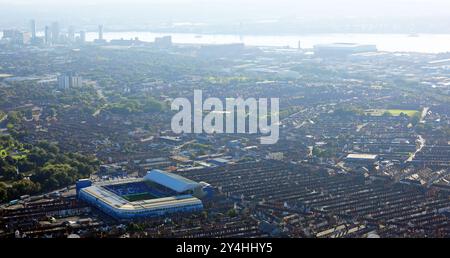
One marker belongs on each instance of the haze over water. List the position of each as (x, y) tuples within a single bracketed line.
[(425, 43), (422, 43)]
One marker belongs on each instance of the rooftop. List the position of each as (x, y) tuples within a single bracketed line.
[(362, 156)]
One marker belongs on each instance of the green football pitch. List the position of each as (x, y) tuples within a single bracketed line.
[(139, 197)]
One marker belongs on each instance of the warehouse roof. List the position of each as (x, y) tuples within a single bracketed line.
[(362, 156)]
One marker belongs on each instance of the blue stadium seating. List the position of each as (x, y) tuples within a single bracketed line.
[(140, 188)]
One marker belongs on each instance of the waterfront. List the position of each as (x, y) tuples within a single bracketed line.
[(426, 43)]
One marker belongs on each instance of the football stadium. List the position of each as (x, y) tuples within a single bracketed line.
[(157, 194)]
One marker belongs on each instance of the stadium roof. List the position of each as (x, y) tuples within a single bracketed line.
[(175, 182)]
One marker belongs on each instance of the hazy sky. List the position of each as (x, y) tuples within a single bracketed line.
[(277, 7), (126, 12)]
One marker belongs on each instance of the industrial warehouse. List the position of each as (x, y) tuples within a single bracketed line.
[(157, 194)]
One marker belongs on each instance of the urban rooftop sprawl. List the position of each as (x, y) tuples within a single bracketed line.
[(363, 149)]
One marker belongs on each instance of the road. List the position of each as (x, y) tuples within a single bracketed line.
[(421, 142), (101, 96), (424, 114), (4, 118)]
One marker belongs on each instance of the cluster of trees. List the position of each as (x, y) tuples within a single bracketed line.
[(41, 168), (232, 213), (323, 152), (344, 111), (85, 96), (14, 120), (136, 105)]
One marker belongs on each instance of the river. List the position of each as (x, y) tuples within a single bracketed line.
[(423, 43)]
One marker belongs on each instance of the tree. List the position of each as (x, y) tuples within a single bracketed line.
[(25, 165), (52, 112), (52, 176), (415, 119), (9, 172), (40, 156), (3, 192), (22, 187), (14, 117), (387, 113), (29, 113), (47, 166), (50, 147), (232, 213)]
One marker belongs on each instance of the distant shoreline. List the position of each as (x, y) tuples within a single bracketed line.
[(421, 43), (390, 42)]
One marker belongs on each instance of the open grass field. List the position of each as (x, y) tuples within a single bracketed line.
[(393, 112), (138, 197)]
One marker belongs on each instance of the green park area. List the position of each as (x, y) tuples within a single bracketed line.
[(392, 112)]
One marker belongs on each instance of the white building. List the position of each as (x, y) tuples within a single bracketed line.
[(69, 81)]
